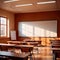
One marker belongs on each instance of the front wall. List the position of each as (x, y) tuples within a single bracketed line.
[(52, 15)]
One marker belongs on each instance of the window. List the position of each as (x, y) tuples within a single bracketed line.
[(4, 27)]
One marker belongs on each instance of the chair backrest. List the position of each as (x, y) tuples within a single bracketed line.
[(26, 49), (55, 43), (4, 48)]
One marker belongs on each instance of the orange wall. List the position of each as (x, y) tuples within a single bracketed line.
[(10, 16), (51, 15)]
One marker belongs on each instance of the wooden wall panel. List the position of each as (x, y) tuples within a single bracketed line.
[(51, 15)]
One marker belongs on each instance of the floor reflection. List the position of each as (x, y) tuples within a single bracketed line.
[(43, 53)]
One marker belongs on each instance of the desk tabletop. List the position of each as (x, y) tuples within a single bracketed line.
[(17, 42), (3, 44), (55, 48), (14, 54), (24, 45)]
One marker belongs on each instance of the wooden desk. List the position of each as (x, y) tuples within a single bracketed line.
[(25, 48), (6, 46), (3, 44), (55, 43), (56, 53), (14, 45), (13, 42), (24, 42), (29, 48), (15, 56)]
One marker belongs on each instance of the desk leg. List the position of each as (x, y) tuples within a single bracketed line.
[(54, 56)]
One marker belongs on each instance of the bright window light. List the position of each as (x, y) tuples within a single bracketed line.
[(10, 1), (24, 5), (47, 2), (8, 28)]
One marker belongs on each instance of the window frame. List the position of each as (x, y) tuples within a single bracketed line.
[(6, 27)]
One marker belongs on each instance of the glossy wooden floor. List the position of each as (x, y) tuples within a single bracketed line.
[(43, 53)]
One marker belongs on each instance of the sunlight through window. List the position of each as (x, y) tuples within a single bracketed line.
[(38, 32), (4, 27), (27, 30)]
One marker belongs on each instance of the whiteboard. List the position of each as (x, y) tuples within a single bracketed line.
[(13, 35), (38, 28)]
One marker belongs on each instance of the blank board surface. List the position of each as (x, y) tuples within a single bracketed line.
[(13, 35), (38, 29)]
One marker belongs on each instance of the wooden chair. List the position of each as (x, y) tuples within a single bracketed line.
[(28, 49), (3, 58), (55, 43)]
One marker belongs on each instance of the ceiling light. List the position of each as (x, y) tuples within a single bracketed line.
[(10, 1), (46, 2), (24, 5)]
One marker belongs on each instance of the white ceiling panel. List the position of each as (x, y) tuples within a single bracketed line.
[(11, 6)]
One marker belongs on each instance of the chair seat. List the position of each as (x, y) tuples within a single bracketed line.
[(3, 58)]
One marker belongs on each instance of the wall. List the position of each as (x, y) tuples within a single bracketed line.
[(38, 16), (49, 15), (10, 16)]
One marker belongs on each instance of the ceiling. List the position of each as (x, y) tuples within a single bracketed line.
[(27, 9)]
